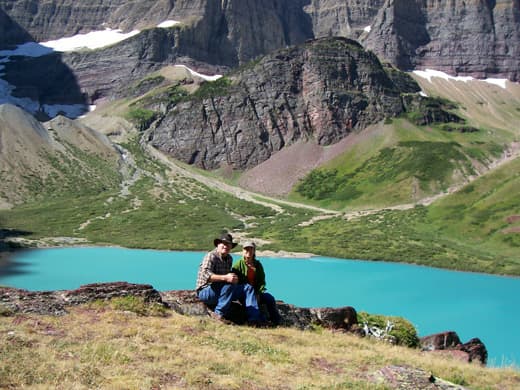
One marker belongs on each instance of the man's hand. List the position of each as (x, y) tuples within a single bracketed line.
[(231, 278)]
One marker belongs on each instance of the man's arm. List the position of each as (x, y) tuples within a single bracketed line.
[(208, 269), (227, 278)]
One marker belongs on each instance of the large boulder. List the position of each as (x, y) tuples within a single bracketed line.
[(449, 343)]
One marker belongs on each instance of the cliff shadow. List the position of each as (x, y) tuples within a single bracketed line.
[(48, 82), (37, 78), (11, 33), (9, 266)]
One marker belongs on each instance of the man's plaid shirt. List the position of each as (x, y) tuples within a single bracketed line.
[(212, 264)]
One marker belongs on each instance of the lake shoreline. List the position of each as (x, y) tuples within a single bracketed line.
[(73, 242)]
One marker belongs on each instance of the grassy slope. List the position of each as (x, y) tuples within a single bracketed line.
[(102, 346), (474, 228)]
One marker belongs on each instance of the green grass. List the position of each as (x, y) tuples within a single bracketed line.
[(482, 211), (401, 236), (430, 163), (140, 117), (181, 214), (210, 89), (399, 164)]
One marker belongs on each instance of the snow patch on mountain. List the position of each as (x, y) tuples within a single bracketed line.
[(91, 40)]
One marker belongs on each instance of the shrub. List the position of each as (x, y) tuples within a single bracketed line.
[(141, 117), (209, 89), (403, 331)]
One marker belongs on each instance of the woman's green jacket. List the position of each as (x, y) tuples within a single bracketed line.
[(240, 268)]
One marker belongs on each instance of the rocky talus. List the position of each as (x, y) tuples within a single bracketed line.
[(322, 90)]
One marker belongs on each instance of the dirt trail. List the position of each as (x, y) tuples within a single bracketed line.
[(509, 155), (236, 191)]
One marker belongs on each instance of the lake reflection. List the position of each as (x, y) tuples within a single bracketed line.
[(434, 300)]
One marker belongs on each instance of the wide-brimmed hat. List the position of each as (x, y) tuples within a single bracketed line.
[(226, 238), (249, 244)]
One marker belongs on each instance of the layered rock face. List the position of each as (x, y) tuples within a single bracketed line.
[(321, 91), (212, 35), (347, 18), (478, 37), (249, 27), (47, 20)]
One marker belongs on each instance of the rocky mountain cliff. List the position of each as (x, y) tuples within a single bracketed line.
[(477, 37), (321, 91)]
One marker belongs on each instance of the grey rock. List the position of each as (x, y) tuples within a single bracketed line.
[(322, 90), (472, 351), (477, 38), (404, 377), (185, 302), (347, 18)]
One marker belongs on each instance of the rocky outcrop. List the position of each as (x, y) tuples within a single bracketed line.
[(405, 377), (344, 318), (14, 300), (322, 90), (478, 38), (185, 302), (449, 343)]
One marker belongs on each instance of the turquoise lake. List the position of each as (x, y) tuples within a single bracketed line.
[(434, 300)]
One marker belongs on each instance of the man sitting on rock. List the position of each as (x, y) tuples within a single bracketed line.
[(217, 285)]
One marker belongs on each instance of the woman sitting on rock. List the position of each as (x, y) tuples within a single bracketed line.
[(250, 270)]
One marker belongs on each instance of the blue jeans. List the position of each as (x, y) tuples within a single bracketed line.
[(222, 294)]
